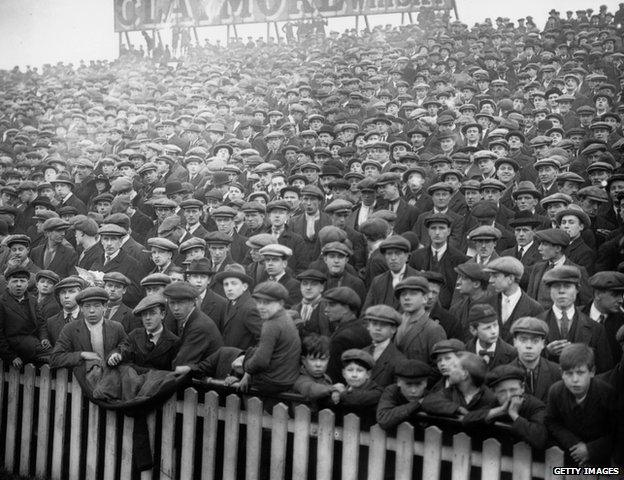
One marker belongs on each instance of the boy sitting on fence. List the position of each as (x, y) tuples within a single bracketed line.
[(361, 394), (486, 341), (313, 383), (581, 409), (400, 401)]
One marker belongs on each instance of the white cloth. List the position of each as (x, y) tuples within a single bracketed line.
[(378, 349), (508, 304), (397, 277), (96, 332)]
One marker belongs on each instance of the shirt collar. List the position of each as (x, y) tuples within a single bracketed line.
[(441, 251), (559, 313), (491, 348), (95, 326), (514, 297), (594, 313)]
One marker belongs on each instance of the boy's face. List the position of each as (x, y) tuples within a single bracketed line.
[(507, 389), (577, 380), (152, 318), (529, 346), (311, 289), (45, 286), (486, 333), (563, 294), (380, 331), (412, 388), (445, 361), (355, 374), (457, 373), (115, 290), (315, 365)]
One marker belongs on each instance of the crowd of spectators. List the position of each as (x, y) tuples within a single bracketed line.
[(425, 218)]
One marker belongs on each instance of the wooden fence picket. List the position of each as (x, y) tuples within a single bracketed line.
[(93, 437), (553, 458), (189, 423), (253, 443), (110, 452), (350, 447), (404, 452), (43, 420), (27, 415), (151, 427), (461, 457), (209, 441), (230, 441), (279, 436), (325, 446), (12, 417), (301, 443), (521, 469), (2, 380), (168, 434), (75, 434), (125, 470), (58, 441), (376, 453), (491, 460), (432, 456)]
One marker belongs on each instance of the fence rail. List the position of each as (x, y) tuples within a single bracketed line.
[(50, 430)]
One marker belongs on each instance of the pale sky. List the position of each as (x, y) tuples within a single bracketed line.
[(34, 32)]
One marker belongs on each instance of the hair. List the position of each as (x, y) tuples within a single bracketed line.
[(576, 355), (474, 365), (315, 345), (177, 269)]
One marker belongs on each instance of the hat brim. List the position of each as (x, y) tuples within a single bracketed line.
[(243, 277)]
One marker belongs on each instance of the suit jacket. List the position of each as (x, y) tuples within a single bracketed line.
[(75, 339), (138, 350), (140, 224), (298, 261), (241, 324), (612, 324), (548, 373), (349, 334), (124, 263), (347, 280), (56, 323), (381, 290), (74, 201), (538, 291), (91, 256), (200, 232), (455, 239), (317, 323), (582, 330), (294, 290), (530, 257), (124, 315), (199, 338), (579, 253), (420, 337), (503, 352), (458, 204), (21, 328), (421, 259), (217, 365), (238, 248), (63, 262), (313, 246), (50, 306), (406, 215), (526, 307), (214, 306), (383, 371)]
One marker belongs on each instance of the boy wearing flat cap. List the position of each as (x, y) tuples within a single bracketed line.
[(472, 287), (66, 291), (93, 337), (529, 338), (361, 394), (443, 355), (524, 411), (273, 367), (116, 285), (382, 323), (47, 303), (567, 323), (151, 345), (417, 333), (401, 400), (484, 328), (275, 263), (311, 309)]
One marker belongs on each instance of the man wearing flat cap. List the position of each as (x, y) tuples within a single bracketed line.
[(567, 323), (151, 345), (606, 308), (524, 226), (199, 273), (23, 333), (116, 285), (308, 224), (509, 301), (275, 258), (472, 287), (199, 335), (89, 339), (55, 254), (396, 250), (441, 196), (86, 234), (389, 185), (311, 309), (278, 214)]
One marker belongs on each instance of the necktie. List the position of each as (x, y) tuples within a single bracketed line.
[(306, 312), (602, 318), (485, 355), (107, 313), (520, 253), (48, 256), (68, 318), (565, 325), (434, 261), (150, 341), (106, 259), (530, 376), (550, 266)]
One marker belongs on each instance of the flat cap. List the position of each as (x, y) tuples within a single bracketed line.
[(437, 218), (557, 198), (345, 296), (484, 209), (278, 205), (117, 277), (530, 325), (553, 236), (574, 210), (563, 274), (192, 243), (16, 271), (383, 313), (312, 274), (92, 294), (492, 183), (18, 238), (260, 240), (547, 162), (55, 224), (336, 247), (72, 281), (156, 279), (150, 301), (388, 177), (412, 369), (313, 191), (594, 193), (358, 356), (272, 291), (49, 274), (439, 186), (223, 211), (191, 203), (504, 372), (412, 283), (482, 313), (447, 346), (112, 230), (276, 250), (484, 232), (473, 271), (607, 280), (397, 242), (86, 225), (339, 205), (506, 265), (162, 244), (218, 238), (180, 291), (253, 207)]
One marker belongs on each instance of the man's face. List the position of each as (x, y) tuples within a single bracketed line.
[(563, 294), (438, 233), (218, 253), (115, 290), (111, 244), (181, 308), (589, 206), (336, 262), (224, 224), (441, 199), (152, 318), (491, 194), (486, 165), (412, 300), (103, 208), (571, 225), (395, 259), (17, 286), (274, 265), (93, 311), (267, 308), (546, 174), (311, 289), (310, 204), (501, 282), (192, 215), (524, 235), (278, 217), (609, 300), (234, 288), (485, 247), (472, 197), (433, 295), (254, 219), (160, 257), (526, 202)]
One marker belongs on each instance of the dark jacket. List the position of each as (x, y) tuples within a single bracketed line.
[(530, 257), (545, 375), (317, 323), (503, 353), (137, 349), (313, 246), (526, 307), (199, 338), (381, 290), (350, 334), (56, 323), (241, 324), (383, 371), (124, 315), (420, 337), (394, 409), (538, 291), (63, 262), (21, 328), (214, 306), (579, 253), (218, 364), (612, 324)]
